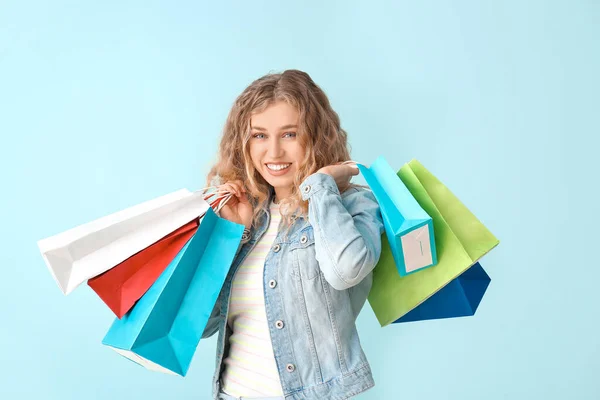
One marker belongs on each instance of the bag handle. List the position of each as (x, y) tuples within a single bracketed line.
[(221, 197)]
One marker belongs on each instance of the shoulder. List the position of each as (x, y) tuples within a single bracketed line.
[(355, 199)]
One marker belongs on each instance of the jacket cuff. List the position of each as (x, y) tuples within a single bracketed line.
[(316, 183)]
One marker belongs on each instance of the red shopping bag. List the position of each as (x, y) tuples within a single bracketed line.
[(123, 285)]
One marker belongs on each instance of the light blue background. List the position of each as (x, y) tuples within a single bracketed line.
[(107, 104)]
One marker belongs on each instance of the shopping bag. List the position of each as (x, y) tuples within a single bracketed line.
[(461, 240), (408, 228), (88, 250), (163, 329), (120, 287), (459, 298)]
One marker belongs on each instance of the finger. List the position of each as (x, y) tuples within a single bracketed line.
[(240, 185), (237, 188), (232, 200), (233, 187), (228, 187), (353, 169), (221, 188)]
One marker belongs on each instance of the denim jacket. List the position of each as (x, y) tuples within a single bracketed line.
[(317, 277)]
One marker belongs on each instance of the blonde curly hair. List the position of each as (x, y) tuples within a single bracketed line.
[(319, 133)]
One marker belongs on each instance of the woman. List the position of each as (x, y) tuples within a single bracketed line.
[(286, 313)]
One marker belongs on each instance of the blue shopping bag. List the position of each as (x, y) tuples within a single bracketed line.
[(163, 329), (408, 228), (459, 298)]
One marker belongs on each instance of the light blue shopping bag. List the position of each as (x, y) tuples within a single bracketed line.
[(408, 228), (163, 329)]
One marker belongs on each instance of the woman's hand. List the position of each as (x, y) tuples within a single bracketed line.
[(238, 209), (341, 173)]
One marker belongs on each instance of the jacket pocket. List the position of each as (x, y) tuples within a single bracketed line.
[(302, 250)]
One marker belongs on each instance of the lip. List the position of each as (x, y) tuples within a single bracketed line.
[(278, 173)]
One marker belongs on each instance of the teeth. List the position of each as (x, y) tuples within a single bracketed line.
[(277, 167)]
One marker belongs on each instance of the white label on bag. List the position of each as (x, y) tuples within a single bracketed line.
[(417, 249)]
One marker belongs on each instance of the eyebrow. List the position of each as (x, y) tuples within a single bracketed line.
[(258, 128)]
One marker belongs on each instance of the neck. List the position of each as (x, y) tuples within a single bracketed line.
[(282, 193)]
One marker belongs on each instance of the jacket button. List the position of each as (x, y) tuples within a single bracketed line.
[(303, 239), (279, 324), (272, 283), (276, 248), (290, 368), (307, 188), (246, 236)]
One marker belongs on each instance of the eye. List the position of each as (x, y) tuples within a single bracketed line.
[(290, 134), (258, 135)]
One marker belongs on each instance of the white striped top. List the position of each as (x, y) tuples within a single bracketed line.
[(250, 368)]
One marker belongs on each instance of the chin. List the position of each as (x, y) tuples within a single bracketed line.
[(279, 182)]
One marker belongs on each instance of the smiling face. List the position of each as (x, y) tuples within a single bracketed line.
[(274, 149)]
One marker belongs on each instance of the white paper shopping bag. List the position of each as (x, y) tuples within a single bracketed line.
[(83, 252)]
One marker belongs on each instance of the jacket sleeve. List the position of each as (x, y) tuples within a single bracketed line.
[(212, 326), (347, 230)]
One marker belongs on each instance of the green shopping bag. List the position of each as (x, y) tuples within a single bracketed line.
[(461, 240)]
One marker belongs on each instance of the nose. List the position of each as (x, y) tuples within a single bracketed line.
[(275, 149)]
